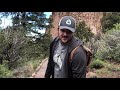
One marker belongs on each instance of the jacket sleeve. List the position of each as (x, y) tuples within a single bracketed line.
[(49, 69), (48, 72), (78, 64)]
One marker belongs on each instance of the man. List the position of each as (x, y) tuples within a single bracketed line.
[(59, 65)]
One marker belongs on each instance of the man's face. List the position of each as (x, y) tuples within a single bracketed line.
[(65, 35)]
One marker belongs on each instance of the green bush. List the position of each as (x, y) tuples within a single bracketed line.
[(114, 69), (101, 50), (109, 45), (97, 64), (116, 53), (109, 19), (83, 32), (5, 72), (25, 67)]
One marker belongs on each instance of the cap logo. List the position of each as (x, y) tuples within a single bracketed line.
[(68, 22)]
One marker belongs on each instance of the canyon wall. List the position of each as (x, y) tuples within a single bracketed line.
[(92, 20)]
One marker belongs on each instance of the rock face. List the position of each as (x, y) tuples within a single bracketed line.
[(92, 20)]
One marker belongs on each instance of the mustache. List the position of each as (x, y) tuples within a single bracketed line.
[(65, 36)]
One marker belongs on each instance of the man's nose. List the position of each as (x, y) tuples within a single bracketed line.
[(65, 34)]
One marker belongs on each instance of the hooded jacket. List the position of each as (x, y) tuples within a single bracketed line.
[(76, 68)]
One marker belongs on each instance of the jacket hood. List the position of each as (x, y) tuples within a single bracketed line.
[(73, 43)]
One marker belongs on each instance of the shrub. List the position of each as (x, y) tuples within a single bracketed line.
[(114, 69), (83, 32), (97, 64), (109, 45), (109, 19), (5, 72)]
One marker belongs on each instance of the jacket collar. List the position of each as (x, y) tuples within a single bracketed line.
[(72, 43)]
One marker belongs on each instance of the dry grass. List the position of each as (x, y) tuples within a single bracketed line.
[(111, 70)]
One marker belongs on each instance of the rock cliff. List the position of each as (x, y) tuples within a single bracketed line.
[(92, 20)]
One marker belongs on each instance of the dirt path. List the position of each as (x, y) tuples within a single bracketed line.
[(40, 71)]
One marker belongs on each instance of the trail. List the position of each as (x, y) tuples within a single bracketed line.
[(40, 71)]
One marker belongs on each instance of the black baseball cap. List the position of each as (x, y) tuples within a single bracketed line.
[(67, 22)]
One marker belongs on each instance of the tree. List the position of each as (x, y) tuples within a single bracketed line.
[(109, 18), (30, 21), (16, 35), (83, 32)]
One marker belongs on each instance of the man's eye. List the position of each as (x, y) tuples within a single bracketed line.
[(66, 31)]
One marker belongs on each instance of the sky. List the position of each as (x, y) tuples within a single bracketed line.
[(48, 14), (8, 22)]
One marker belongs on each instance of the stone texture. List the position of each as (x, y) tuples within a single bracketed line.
[(92, 20)]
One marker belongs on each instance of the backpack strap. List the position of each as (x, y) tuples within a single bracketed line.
[(88, 54), (73, 52)]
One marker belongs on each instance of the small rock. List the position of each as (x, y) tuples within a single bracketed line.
[(91, 75), (33, 75)]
